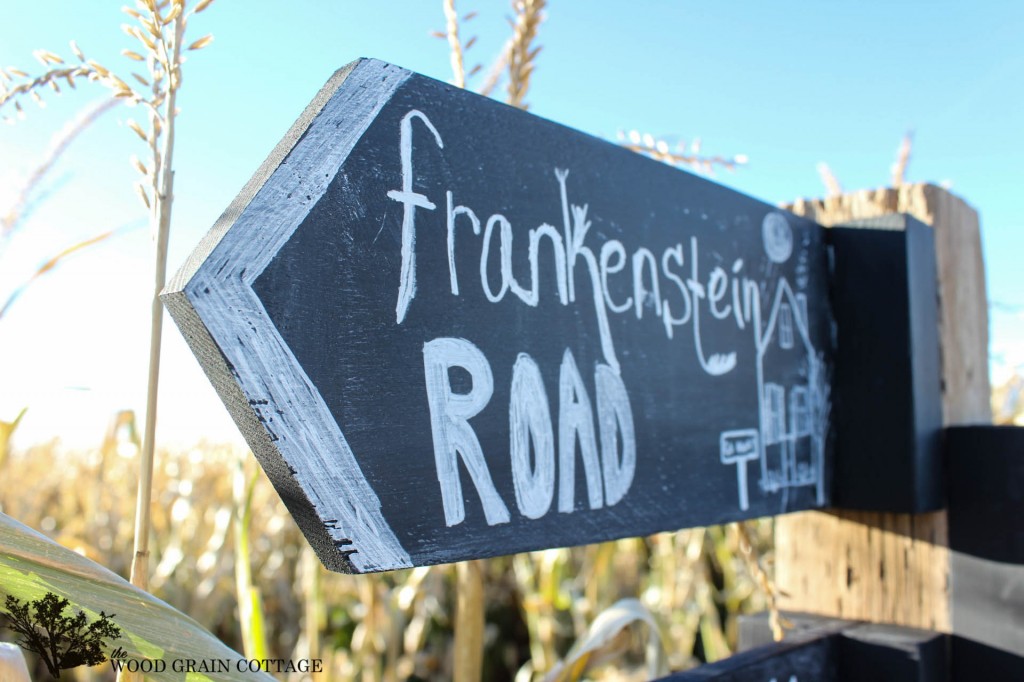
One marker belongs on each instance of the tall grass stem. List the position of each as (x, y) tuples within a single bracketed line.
[(469, 622), (161, 216), (454, 44)]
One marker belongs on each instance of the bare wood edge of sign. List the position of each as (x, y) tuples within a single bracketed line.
[(216, 368), (895, 568), (212, 361), (333, 552)]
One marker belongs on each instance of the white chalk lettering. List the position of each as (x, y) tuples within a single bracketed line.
[(736, 285), (529, 421), (558, 252), (575, 234), (674, 253), (717, 290), (608, 475), (725, 293), (453, 213), (647, 282), (570, 255), (449, 423), (505, 254), (615, 418), (718, 363), (641, 296), (752, 302), (613, 247), (576, 420), (410, 200)]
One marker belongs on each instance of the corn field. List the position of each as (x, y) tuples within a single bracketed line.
[(216, 517)]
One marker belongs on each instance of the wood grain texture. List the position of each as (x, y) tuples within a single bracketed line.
[(884, 568), (894, 568)]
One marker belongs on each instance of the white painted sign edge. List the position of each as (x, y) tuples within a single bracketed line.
[(285, 411)]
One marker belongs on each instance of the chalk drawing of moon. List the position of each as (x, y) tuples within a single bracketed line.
[(777, 236)]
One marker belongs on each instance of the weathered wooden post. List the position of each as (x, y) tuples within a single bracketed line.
[(884, 567)]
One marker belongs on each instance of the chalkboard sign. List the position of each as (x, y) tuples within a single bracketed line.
[(450, 329)]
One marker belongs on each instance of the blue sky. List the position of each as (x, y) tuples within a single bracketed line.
[(787, 84)]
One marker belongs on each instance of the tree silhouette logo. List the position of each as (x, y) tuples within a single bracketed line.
[(61, 641)]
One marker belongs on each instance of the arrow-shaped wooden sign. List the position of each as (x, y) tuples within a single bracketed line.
[(451, 329)]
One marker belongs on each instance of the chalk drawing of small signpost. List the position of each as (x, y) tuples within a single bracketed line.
[(739, 447)]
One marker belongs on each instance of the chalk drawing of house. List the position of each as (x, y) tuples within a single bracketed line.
[(792, 391), (792, 403)]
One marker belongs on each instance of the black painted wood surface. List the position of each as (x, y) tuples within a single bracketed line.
[(986, 491), (887, 384), (975, 661), (857, 652), (450, 329), (802, 659)]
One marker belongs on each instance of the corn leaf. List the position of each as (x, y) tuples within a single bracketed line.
[(602, 635), (250, 603), (32, 565), (7, 430)]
